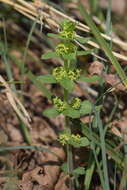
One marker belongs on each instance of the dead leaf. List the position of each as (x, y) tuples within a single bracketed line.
[(44, 175), (62, 183), (96, 67), (114, 81)]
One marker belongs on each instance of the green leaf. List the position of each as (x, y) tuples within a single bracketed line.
[(70, 112), (49, 55), (39, 85), (74, 144), (70, 56), (78, 171), (85, 52), (51, 112), (46, 79), (90, 79), (55, 36), (64, 168), (84, 141), (67, 84), (83, 40), (86, 107)]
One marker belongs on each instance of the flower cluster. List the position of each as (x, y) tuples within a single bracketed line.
[(68, 28), (59, 104), (70, 139), (76, 138), (64, 139), (60, 73), (74, 74), (76, 103), (62, 105), (63, 49)]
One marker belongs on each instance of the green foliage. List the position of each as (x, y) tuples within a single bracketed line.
[(72, 113), (64, 167), (59, 104), (103, 44), (66, 50), (72, 139), (72, 108), (46, 79), (86, 107), (87, 52), (78, 171), (49, 55), (94, 78), (51, 112), (67, 84), (82, 40)]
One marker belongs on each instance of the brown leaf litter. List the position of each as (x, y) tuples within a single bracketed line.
[(45, 175)]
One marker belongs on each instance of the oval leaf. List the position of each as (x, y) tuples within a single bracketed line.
[(67, 84), (84, 141), (79, 171), (90, 79), (87, 52), (46, 79), (70, 56), (49, 55), (83, 40), (72, 113), (86, 107), (55, 36), (51, 112)]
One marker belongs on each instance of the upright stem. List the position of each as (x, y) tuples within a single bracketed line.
[(69, 147)]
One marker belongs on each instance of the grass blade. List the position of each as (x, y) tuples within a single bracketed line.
[(116, 156), (103, 150), (103, 44), (38, 148), (5, 57), (89, 172)]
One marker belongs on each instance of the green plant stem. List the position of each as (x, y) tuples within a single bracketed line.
[(69, 147), (123, 183), (103, 149), (26, 133), (5, 57)]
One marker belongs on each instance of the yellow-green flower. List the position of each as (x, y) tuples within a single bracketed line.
[(76, 103), (76, 138), (70, 139), (74, 75), (68, 34), (59, 104), (59, 73), (68, 25), (64, 138), (64, 49)]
